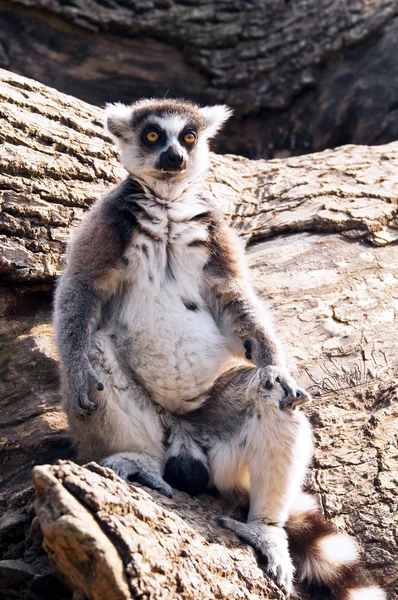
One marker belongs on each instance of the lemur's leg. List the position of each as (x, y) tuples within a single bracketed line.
[(126, 431), (271, 448)]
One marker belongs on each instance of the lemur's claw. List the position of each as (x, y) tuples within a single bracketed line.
[(294, 398), (84, 407), (82, 403), (133, 470), (92, 378), (223, 522)]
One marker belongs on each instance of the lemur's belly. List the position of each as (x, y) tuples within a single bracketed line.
[(181, 350), (167, 335)]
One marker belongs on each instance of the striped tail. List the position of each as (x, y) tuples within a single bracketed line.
[(326, 559)]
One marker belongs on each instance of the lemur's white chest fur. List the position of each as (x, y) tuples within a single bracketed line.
[(160, 307)]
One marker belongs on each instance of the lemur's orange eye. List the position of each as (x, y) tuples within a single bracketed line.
[(189, 138), (152, 136)]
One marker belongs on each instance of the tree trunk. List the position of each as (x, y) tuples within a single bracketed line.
[(320, 233), (308, 74)]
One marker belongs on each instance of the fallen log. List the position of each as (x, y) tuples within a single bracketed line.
[(321, 234), (118, 541), (308, 74)]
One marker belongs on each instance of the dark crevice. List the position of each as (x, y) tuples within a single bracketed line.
[(255, 240)]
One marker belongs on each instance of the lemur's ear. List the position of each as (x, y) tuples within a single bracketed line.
[(117, 121), (215, 117)]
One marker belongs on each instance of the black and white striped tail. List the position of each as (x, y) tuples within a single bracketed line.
[(327, 559)]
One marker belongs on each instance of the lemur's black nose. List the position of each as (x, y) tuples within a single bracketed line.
[(174, 156), (171, 160)]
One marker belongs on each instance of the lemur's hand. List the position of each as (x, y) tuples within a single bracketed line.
[(80, 383), (294, 396), (272, 374)]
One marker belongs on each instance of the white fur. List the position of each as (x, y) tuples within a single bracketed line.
[(337, 549), (367, 593), (173, 124), (276, 456), (330, 553), (116, 119), (287, 444), (182, 351), (303, 504), (215, 117)]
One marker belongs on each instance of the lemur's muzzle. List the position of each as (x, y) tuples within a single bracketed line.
[(171, 160)]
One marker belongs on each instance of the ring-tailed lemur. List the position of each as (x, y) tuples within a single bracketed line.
[(170, 368)]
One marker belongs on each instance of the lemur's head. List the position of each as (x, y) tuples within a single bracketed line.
[(164, 140)]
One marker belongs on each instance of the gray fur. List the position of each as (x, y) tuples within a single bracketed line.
[(133, 466), (271, 543)]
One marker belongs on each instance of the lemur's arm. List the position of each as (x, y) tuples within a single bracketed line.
[(237, 310), (76, 304), (245, 322), (239, 313), (90, 278)]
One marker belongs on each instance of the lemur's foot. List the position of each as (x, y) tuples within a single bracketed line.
[(271, 543), (140, 468), (294, 396)]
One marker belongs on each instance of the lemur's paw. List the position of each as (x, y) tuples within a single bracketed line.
[(271, 543), (294, 396), (131, 469), (82, 403), (298, 397)]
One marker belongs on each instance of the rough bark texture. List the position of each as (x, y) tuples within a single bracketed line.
[(311, 73), (165, 548), (320, 232)]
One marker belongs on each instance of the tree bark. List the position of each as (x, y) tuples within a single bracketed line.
[(140, 544), (321, 236), (308, 74)]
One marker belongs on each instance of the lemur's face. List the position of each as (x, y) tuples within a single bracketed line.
[(164, 139)]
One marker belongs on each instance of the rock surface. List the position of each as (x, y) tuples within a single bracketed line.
[(321, 235), (311, 73)]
